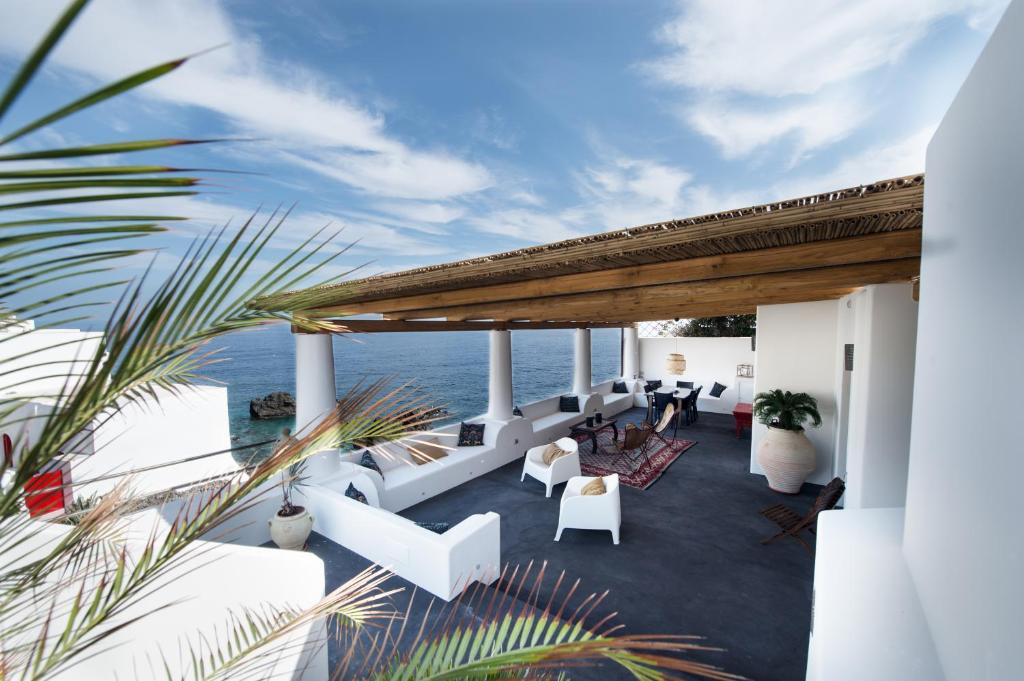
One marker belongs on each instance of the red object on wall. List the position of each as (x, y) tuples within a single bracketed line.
[(54, 490), (8, 450)]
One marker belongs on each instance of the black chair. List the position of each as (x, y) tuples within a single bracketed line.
[(661, 400), (684, 384), (694, 414)]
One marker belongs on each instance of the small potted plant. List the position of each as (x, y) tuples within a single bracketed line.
[(291, 525), (785, 452)]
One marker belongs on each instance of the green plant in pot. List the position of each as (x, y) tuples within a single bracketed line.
[(786, 454), (291, 525)]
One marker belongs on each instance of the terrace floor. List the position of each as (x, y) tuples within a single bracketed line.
[(689, 562)]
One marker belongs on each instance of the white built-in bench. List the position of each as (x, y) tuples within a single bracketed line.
[(614, 403)]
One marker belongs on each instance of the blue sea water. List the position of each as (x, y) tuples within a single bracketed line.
[(450, 366)]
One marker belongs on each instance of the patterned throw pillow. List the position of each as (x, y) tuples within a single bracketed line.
[(367, 461), (471, 434), (552, 452), (717, 389), (594, 488), (619, 387), (353, 493), (568, 403), (440, 527)]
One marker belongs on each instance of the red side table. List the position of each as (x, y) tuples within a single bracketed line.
[(744, 415)]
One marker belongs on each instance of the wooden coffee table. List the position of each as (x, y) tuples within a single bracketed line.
[(582, 428)]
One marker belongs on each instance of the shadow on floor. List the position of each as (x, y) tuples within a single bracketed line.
[(690, 561)]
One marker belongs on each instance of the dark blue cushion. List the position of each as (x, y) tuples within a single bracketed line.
[(568, 403), (619, 387), (717, 389), (367, 461), (471, 434), (440, 527), (353, 493)]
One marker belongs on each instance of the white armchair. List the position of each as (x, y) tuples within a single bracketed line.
[(591, 512), (561, 469)]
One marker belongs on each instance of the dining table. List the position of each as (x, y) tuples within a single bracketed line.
[(679, 394)]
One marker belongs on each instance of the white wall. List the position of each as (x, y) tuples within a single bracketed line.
[(55, 354), (846, 333), (796, 351), (143, 434), (881, 397), (962, 538), (707, 360)]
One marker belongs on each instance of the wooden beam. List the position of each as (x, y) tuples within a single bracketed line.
[(586, 306), (869, 248), (396, 326)]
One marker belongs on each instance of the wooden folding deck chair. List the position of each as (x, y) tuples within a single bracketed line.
[(634, 446), (792, 523)]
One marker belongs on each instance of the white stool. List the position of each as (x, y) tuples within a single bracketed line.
[(592, 511)]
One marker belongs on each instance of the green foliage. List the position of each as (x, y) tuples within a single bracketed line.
[(786, 410), (60, 602), (730, 325)]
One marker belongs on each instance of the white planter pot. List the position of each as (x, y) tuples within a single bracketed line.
[(787, 457), (291, 532)]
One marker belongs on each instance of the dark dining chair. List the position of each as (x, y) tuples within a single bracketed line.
[(662, 400), (684, 384), (694, 414)]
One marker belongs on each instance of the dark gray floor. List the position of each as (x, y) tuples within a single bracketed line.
[(690, 561)]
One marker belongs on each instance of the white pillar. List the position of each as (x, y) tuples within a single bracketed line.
[(581, 383), (630, 353), (499, 393), (315, 393)]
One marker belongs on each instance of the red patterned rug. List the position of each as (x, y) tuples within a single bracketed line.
[(607, 460)]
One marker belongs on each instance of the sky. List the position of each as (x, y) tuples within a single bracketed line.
[(433, 131)]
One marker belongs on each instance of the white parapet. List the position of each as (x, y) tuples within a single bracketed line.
[(315, 392)]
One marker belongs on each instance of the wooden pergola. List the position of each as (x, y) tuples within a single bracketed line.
[(811, 248)]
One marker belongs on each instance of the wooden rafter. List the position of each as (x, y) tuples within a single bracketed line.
[(753, 290), (391, 326), (871, 248)]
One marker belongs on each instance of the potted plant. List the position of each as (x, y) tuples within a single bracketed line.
[(785, 452), (291, 525)]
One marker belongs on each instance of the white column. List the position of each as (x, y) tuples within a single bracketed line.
[(581, 383), (630, 353), (499, 393), (315, 393)]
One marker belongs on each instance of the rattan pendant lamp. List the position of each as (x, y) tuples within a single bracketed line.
[(675, 363)]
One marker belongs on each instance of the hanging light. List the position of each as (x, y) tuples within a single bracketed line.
[(675, 364)]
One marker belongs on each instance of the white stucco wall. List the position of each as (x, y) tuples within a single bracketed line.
[(881, 397), (707, 360), (38, 362), (796, 351), (195, 421), (962, 536)]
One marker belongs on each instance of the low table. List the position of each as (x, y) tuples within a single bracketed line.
[(744, 415), (582, 428)]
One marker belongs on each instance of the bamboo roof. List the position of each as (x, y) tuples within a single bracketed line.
[(808, 247)]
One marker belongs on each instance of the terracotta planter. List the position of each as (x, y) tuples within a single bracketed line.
[(291, 532), (787, 457)]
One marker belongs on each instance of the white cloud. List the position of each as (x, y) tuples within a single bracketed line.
[(438, 213), (257, 95), (810, 124), (790, 47), (766, 71)]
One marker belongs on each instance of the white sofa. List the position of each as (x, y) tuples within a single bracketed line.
[(443, 564), (613, 403), (550, 424), (405, 483)]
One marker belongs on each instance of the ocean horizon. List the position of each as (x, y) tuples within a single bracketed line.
[(451, 367)]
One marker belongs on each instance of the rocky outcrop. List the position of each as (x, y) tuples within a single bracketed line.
[(277, 405)]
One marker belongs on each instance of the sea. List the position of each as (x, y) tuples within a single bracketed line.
[(450, 367)]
